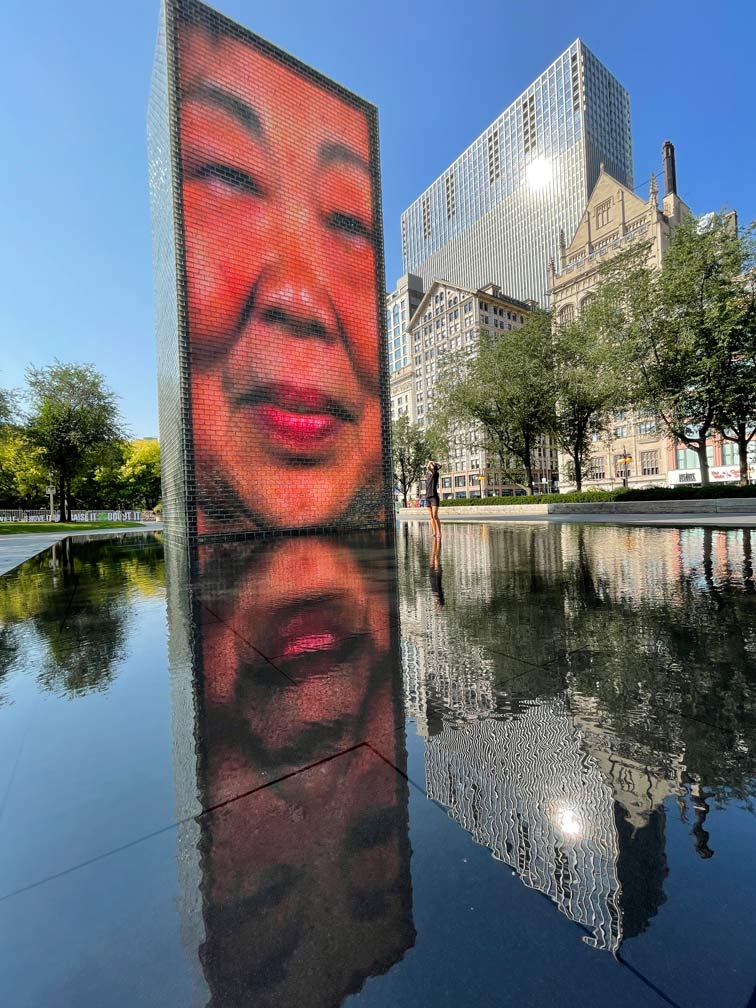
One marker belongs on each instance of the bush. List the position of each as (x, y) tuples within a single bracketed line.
[(621, 494)]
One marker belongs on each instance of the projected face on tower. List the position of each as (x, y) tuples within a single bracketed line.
[(279, 212)]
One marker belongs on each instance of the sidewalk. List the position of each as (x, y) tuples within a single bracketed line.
[(14, 549)]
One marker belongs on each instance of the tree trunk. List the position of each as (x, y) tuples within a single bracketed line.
[(578, 471), (743, 452), (68, 498), (703, 459), (528, 465)]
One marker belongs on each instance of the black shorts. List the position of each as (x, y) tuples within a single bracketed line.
[(432, 501)]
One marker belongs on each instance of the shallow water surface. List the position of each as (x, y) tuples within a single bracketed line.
[(516, 770)]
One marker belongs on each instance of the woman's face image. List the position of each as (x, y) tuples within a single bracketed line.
[(282, 296)]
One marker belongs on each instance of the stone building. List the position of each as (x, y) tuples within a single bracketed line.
[(614, 219), (634, 449), (449, 320)]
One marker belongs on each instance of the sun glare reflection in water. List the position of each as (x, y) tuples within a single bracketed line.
[(568, 822)]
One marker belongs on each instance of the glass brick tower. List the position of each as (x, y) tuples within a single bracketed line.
[(495, 214)]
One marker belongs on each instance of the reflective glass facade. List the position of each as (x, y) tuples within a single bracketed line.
[(495, 214)]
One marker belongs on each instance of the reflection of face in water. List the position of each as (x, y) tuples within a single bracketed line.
[(278, 199), (305, 882)]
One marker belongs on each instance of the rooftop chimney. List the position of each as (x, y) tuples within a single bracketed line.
[(670, 176)]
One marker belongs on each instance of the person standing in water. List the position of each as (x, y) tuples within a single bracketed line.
[(432, 500)]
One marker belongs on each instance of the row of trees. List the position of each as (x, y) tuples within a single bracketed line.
[(66, 425), (678, 343)]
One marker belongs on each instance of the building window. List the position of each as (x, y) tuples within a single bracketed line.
[(528, 124), (603, 213), (451, 197), (686, 458), (650, 463), (426, 217), (597, 468), (567, 314), (459, 481), (494, 162), (647, 427), (446, 481), (730, 454), (621, 467), (474, 479), (620, 431)]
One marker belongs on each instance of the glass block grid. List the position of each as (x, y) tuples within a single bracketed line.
[(495, 214), (265, 186)]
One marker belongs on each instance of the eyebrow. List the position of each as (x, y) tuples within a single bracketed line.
[(227, 102), (339, 152)]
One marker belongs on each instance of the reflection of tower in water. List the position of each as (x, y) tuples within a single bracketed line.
[(524, 788), (574, 809), (298, 877)]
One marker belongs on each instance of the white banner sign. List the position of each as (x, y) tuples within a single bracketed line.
[(717, 474)]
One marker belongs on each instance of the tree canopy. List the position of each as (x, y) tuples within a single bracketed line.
[(502, 396), (72, 416), (410, 452), (689, 328)]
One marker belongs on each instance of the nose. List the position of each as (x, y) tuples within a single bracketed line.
[(291, 297)]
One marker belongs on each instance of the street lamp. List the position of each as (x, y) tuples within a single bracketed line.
[(625, 461)]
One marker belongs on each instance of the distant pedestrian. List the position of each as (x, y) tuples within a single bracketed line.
[(432, 499)]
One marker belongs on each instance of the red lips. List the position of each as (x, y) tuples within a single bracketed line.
[(300, 419)]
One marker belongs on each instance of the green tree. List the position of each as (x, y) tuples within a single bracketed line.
[(7, 405), (72, 416), (23, 474), (140, 472), (590, 378), (735, 415), (410, 450), (504, 393), (685, 324)]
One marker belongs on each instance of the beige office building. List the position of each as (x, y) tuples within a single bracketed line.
[(448, 320), (634, 448)]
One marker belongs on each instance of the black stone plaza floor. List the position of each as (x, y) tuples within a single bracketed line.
[(517, 771)]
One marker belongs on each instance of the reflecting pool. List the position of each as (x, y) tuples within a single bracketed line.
[(516, 769)]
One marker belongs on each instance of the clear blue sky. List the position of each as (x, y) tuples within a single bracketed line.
[(75, 249)]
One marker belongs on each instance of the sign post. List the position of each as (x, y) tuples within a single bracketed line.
[(51, 494)]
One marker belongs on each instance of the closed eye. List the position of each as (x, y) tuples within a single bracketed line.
[(226, 175), (349, 225)]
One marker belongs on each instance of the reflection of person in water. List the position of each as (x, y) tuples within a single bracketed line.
[(306, 884), (701, 809), (436, 574), (279, 212)]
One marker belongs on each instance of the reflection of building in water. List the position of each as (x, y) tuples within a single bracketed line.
[(641, 778), (443, 669), (573, 807), (444, 674), (525, 788)]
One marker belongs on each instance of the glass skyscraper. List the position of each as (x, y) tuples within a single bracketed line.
[(495, 214)]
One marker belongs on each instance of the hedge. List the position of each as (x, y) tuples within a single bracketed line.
[(621, 494)]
